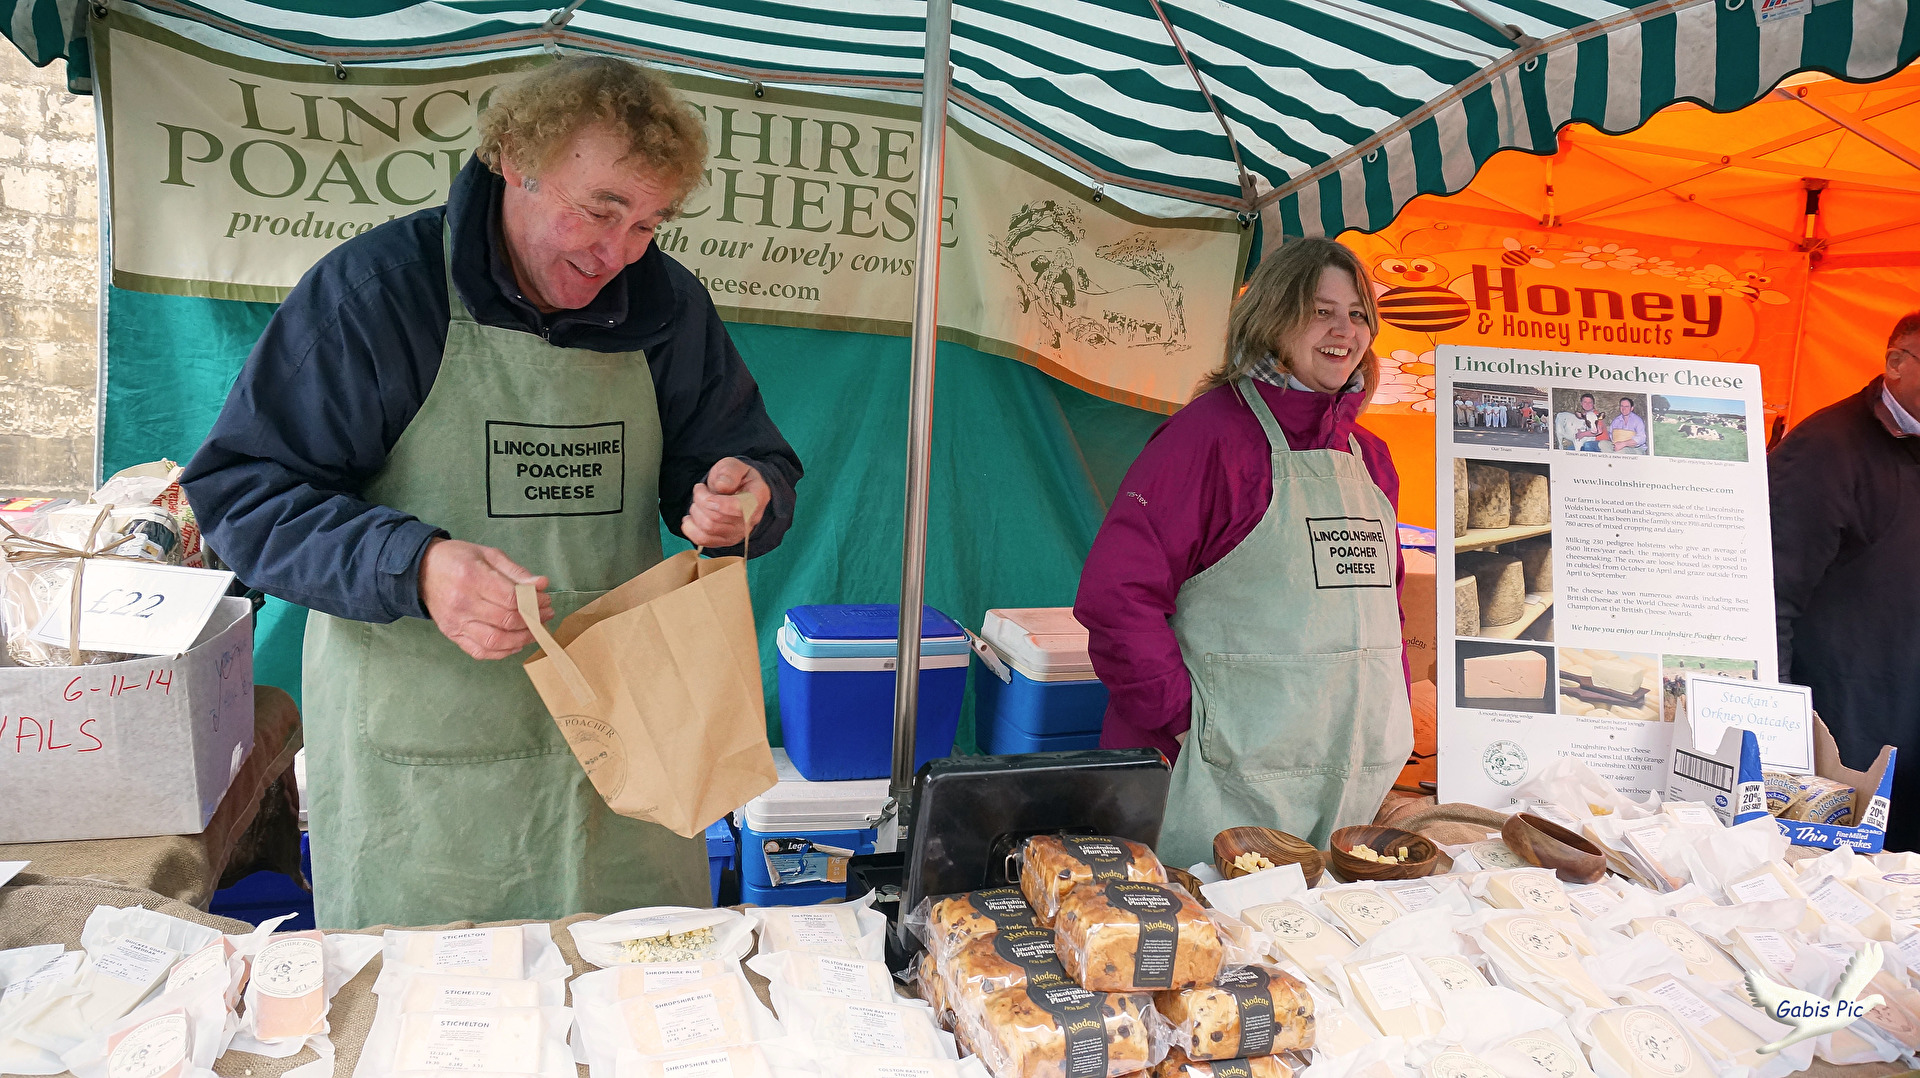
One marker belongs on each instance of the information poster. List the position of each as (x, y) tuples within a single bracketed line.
[(1610, 536)]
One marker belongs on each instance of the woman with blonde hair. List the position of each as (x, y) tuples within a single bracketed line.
[(1242, 594)]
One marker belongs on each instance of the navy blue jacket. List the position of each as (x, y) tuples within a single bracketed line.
[(349, 357)]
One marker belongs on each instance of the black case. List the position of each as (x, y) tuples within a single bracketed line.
[(970, 813)]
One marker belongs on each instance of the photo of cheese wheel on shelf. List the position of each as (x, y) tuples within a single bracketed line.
[(947, 923), (1130, 937), (1065, 1031), (1499, 675), (1052, 865), (1247, 1011), (1601, 684)]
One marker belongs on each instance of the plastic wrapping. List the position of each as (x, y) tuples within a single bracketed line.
[(129, 952), (31, 991), (670, 934), (415, 992), (877, 1067), (1052, 865), (1179, 1065), (180, 1034), (930, 987), (839, 929), (1068, 1032), (830, 1027), (1247, 1011), (696, 1016), (530, 1042), (1120, 936), (1010, 959), (282, 967), (848, 978), (1547, 1052), (947, 923), (739, 1061), (1641, 1042)]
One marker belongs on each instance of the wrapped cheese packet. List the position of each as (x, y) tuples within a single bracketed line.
[(1052, 865), (839, 929), (848, 978), (829, 1027), (525, 1041), (178, 1035), (703, 1015), (663, 934), (1121, 936)]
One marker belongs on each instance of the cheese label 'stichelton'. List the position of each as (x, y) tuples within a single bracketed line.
[(1157, 909)]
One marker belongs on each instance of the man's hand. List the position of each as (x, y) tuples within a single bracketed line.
[(713, 520), (468, 591)]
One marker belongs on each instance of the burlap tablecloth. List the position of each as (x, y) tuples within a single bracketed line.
[(189, 868)]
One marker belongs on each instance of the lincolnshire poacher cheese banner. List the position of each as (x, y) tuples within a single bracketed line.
[(230, 176)]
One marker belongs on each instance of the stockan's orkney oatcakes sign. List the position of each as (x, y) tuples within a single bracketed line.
[(230, 176)]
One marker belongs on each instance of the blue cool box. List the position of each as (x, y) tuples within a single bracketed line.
[(827, 820), (837, 685), (1046, 697), (719, 852)]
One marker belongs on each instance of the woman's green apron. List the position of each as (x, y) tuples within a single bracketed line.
[(1292, 642), (439, 788)]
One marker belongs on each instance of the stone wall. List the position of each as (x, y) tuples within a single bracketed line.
[(49, 280)]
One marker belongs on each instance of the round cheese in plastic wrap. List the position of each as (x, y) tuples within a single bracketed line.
[(1247, 1011), (663, 934), (1179, 1065), (1052, 865), (949, 922), (1129, 937), (1064, 1031)]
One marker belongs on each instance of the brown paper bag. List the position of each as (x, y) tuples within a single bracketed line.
[(656, 686)]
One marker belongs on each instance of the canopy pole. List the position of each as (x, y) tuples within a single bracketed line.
[(935, 85)]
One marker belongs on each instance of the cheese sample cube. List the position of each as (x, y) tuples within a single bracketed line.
[(494, 1041), (1456, 974), (1703, 959), (1727, 1040), (1539, 1053), (1617, 675), (1528, 498), (156, 1048), (705, 1014), (1539, 949), (475, 952), (1509, 675), (287, 992), (1501, 584), (1489, 496), (425, 992), (120, 976), (1646, 1042), (1301, 938), (1390, 991), (1362, 911)]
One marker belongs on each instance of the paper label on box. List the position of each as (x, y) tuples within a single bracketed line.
[(152, 1049), (1761, 888), (1876, 814), (1686, 1006), (290, 968), (1413, 896), (844, 978), (1779, 716), (876, 1029), (136, 607), (1394, 983), (1751, 798), (662, 977), (816, 928), (1836, 903), (134, 961), (463, 950), (714, 1065), (689, 1019)]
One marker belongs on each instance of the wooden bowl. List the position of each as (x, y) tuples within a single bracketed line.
[(1422, 855), (1544, 843), (1189, 881), (1276, 846)]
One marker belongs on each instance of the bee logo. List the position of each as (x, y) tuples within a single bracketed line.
[(1527, 254)]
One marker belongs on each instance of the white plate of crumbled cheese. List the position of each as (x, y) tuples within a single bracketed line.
[(663, 934)]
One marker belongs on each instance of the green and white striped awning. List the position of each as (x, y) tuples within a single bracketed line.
[(1340, 110)]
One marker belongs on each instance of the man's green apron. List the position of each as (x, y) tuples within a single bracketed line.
[(1292, 642), (439, 787)]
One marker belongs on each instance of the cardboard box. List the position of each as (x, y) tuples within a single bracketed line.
[(1727, 778), (128, 749)]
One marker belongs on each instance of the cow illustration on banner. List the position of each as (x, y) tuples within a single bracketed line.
[(1439, 281)]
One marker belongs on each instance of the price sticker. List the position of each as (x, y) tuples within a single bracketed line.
[(136, 607)]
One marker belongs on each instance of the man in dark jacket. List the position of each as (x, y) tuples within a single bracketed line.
[(511, 389), (1846, 568)]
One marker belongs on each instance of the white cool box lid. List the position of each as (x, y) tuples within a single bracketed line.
[(795, 805), (1043, 643)]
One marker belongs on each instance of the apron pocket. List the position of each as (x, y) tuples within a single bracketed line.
[(1273, 715), (424, 701)]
